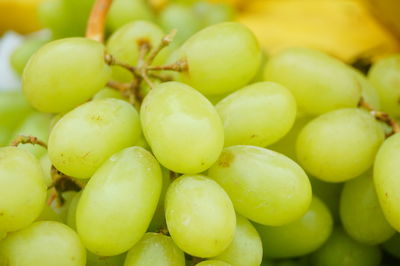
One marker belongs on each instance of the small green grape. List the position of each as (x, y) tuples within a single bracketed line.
[(213, 263), (22, 53)]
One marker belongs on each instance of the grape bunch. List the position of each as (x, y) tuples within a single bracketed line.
[(137, 151)]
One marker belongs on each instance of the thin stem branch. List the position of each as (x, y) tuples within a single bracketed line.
[(179, 66), (165, 41), (112, 61), (381, 116), (97, 20), (28, 139)]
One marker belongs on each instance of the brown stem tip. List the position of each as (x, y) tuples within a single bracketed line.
[(28, 139)]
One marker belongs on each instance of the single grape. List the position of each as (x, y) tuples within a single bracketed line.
[(300, 237), (75, 70), (106, 93), (385, 77), (340, 249), (45, 164), (264, 186), (155, 249), (200, 216), (258, 114), (182, 128), (55, 211), (85, 137), (213, 263), (387, 179), (246, 247), (360, 213), (44, 243), (213, 13), (118, 202), (125, 11), (221, 58), (124, 45), (23, 52), (339, 145), (368, 92), (22, 189), (71, 211), (319, 83), (391, 246)]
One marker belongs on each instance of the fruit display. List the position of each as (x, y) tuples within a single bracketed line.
[(172, 133)]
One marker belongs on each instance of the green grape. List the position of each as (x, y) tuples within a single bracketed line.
[(258, 114), (45, 164), (368, 92), (75, 70), (246, 247), (55, 211), (44, 243), (13, 110), (360, 213), (287, 144), (124, 45), (339, 145), (200, 216), (155, 249), (385, 77), (329, 193), (213, 13), (118, 202), (182, 128), (391, 246), (213, 263), (22, 189), (22, 53), (85, 137), (387, 179), (341, 250), (106, 93), (37, 125), (264, 186), (71, 211), (181, 18), (319, 83), (94, 260), (125, 11), (158, 221), (300, 237), (221, 58)]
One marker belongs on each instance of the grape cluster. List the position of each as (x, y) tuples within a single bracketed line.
[(147, 153)]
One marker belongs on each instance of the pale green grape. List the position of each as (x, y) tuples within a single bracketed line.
[(300, 237), (200, 216), (181, 18), (74, 71), (108, 93), (85, 137), (45, 164), (221, 58), (124, 45), (385, 77), (391, 246), (55, 211), (23, 52), (155, 249), (264, 186), (213, 263), (368, 92), (44, 243), (287, 144), (182, 128), (341, 250), (13, 110), (319, 83), (246, 247), (118, 202), (71, 211), (37, 125), (213, 13), (22, 189), (258, 114), (329, 193), (387, 179), (158, 221), (360, 213), (94, 260), (125, 11), (339, 145)]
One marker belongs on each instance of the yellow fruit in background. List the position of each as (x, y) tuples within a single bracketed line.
[(19, 15), (343, 28), (387, 11)]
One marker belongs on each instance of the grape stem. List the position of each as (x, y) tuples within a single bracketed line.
[(28, 139), (381, 116), (97, 20)]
